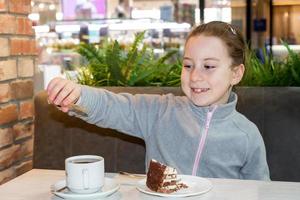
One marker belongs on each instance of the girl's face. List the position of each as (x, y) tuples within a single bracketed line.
[(207, 76)]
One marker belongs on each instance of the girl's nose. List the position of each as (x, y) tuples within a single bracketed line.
[(196, 75)]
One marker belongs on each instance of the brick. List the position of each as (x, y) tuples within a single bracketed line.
[(6, 137), (23, 167), (22, 130), (16, 46), (24, 26), (26, 150), (8, 70), (28, 27), (7, 175), (22, 89), (7, 24), (5, 94), (33, 49), (17, 6), (3, 5), (20, 25), (26, 110), (4, 50), (8, 113), (25, 67), (9, 156), (23, 46)]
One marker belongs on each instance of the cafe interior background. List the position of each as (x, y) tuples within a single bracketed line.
[(38, 37)]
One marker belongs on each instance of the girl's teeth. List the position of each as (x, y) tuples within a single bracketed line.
[(200, 89)]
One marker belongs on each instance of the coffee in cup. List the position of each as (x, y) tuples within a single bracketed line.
[(85, 173)]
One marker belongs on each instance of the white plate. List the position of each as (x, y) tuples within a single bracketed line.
[(196, 186), (110, 186)]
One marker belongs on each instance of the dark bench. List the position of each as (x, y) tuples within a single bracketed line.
[(276, 112)]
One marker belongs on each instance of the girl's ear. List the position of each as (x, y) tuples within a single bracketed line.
[(237, 74)]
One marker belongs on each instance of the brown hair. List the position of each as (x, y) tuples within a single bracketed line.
[(230, 35)]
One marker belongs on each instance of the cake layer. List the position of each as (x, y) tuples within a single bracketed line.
[(162, 178)]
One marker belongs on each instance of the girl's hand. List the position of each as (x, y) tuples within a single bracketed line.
[(63, 93)]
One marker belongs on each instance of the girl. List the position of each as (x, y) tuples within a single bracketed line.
[(201, 133)]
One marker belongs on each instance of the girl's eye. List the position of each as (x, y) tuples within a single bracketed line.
[(209, 67), (187, 66)]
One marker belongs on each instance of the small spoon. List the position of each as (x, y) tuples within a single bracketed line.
[(132, 174), (53, 189), (76, 109)]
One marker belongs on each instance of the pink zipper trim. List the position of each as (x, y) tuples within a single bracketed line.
[(202, 140)]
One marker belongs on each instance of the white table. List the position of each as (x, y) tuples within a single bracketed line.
[(35, 185)]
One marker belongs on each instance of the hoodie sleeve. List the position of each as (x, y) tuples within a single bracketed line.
[(131, 114)]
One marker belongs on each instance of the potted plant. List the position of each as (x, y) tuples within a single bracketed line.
[(270, 72), (112, 64)]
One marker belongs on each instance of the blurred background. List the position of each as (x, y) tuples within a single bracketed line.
[(60, 25)]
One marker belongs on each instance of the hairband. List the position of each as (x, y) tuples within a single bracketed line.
[(233, 31)]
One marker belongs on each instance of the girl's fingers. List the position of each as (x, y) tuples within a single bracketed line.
[(54, 91), (70, 94), (64, 93), (52, 83), (64, 109), (73, 96)]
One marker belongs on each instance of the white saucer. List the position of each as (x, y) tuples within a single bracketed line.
[(196, 186), (110, 186)]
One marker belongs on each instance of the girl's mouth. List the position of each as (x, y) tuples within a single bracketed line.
[(199, 90)]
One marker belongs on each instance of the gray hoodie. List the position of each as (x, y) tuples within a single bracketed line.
[(173, 127)]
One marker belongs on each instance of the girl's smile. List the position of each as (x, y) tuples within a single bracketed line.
[(199, 90)]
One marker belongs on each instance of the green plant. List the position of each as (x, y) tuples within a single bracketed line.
[(272, 72), (111, 64)]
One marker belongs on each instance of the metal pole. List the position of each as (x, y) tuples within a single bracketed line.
[(248, 21), (201, 8), (271, 26)]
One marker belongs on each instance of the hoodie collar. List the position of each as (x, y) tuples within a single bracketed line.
[(222, 111)]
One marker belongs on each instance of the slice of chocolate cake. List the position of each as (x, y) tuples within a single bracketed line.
[(162, 178)]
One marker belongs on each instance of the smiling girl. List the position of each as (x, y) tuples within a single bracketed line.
[(201, 133)]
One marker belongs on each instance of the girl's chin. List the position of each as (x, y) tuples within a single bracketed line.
[(200, 103)]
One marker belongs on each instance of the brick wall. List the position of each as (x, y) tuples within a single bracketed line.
[(17, 61)]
